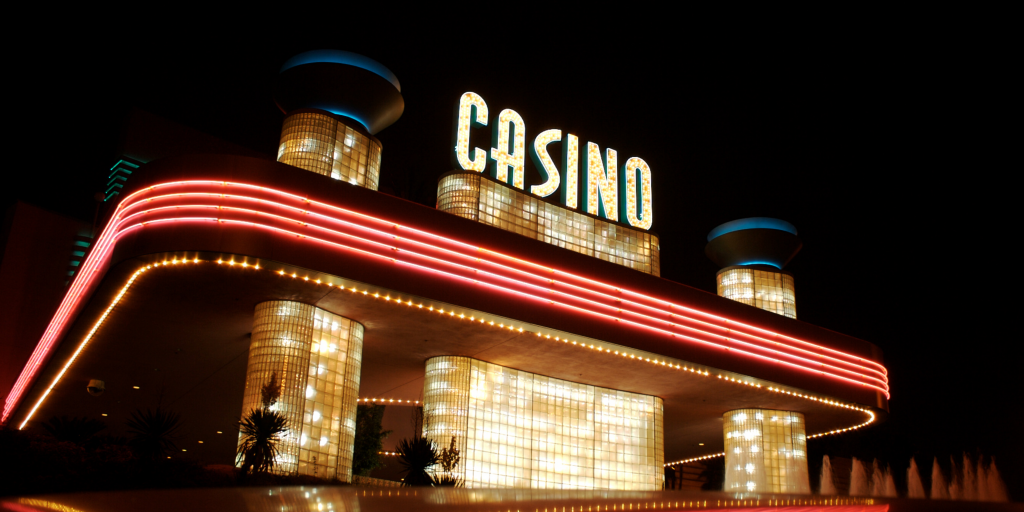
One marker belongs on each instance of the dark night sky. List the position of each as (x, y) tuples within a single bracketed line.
[(880, 142)]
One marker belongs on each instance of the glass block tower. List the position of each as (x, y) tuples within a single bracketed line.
[(334, 102), (316, 357), (752, 252), (324, 144), (765, 451), (478, 197), (522, 430)]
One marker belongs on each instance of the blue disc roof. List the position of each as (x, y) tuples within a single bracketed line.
[(751, 223), (343, 57)]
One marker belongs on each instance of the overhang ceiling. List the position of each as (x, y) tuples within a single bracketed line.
[(180, 334)]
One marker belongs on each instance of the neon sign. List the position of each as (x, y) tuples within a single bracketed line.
[(618, 193)]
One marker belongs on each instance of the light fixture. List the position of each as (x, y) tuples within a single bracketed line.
[(451, 312), (104, 246)]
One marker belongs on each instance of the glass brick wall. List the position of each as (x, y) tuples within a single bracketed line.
[(770, 291), (328, 425), (460, 194), (320, 143), (521, 430), (317, 357), (281, 336), (765, 451), (475, 197)]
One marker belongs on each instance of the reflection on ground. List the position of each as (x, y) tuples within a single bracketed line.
[(369, 499)]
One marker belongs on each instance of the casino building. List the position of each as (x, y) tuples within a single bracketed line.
[(528, 320)]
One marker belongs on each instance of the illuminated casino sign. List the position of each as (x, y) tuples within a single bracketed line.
[(604, 180)]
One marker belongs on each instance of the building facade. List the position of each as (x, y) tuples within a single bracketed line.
[(536, 334)]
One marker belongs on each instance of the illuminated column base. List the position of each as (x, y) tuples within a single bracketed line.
[(770, 290), (319, 142), (317, 357), (521, 430), (765, 451)]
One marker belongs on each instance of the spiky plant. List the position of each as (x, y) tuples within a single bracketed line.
[(262, 430), (152, 433), (270, 393), (76, 430), (449, 461), (446, 480), (417, 456)]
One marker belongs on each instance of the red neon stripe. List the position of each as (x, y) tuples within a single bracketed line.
[(773, 345), (100, 253), (495, 286), (71, 299), (525, 262), (464, 267), (391, 247)]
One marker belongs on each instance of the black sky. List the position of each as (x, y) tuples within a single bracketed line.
[(881, 141)]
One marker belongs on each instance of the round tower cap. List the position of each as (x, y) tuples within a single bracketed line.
[(751, 223), (343, 83), (753, 241)]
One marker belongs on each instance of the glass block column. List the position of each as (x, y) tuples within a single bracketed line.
[(317, 357), (521, 430), (459, 194), (479, 198), (770, 291), (322, 143), (765, 451)]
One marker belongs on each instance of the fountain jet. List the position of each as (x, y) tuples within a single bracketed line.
[(828, 483), (890, 484), (859, 485), (877, 479), (915, 489), (970, 480), (994, 484), (954, 481), (940, 489)]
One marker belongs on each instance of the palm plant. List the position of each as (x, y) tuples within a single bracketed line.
[(270, 393), (262, 430), (417, 456), (76, 430), (152, 433), (446, 480), (449, 461)]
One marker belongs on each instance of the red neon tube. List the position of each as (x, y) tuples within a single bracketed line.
[(609, 309), (476, 258), (753, 336)]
